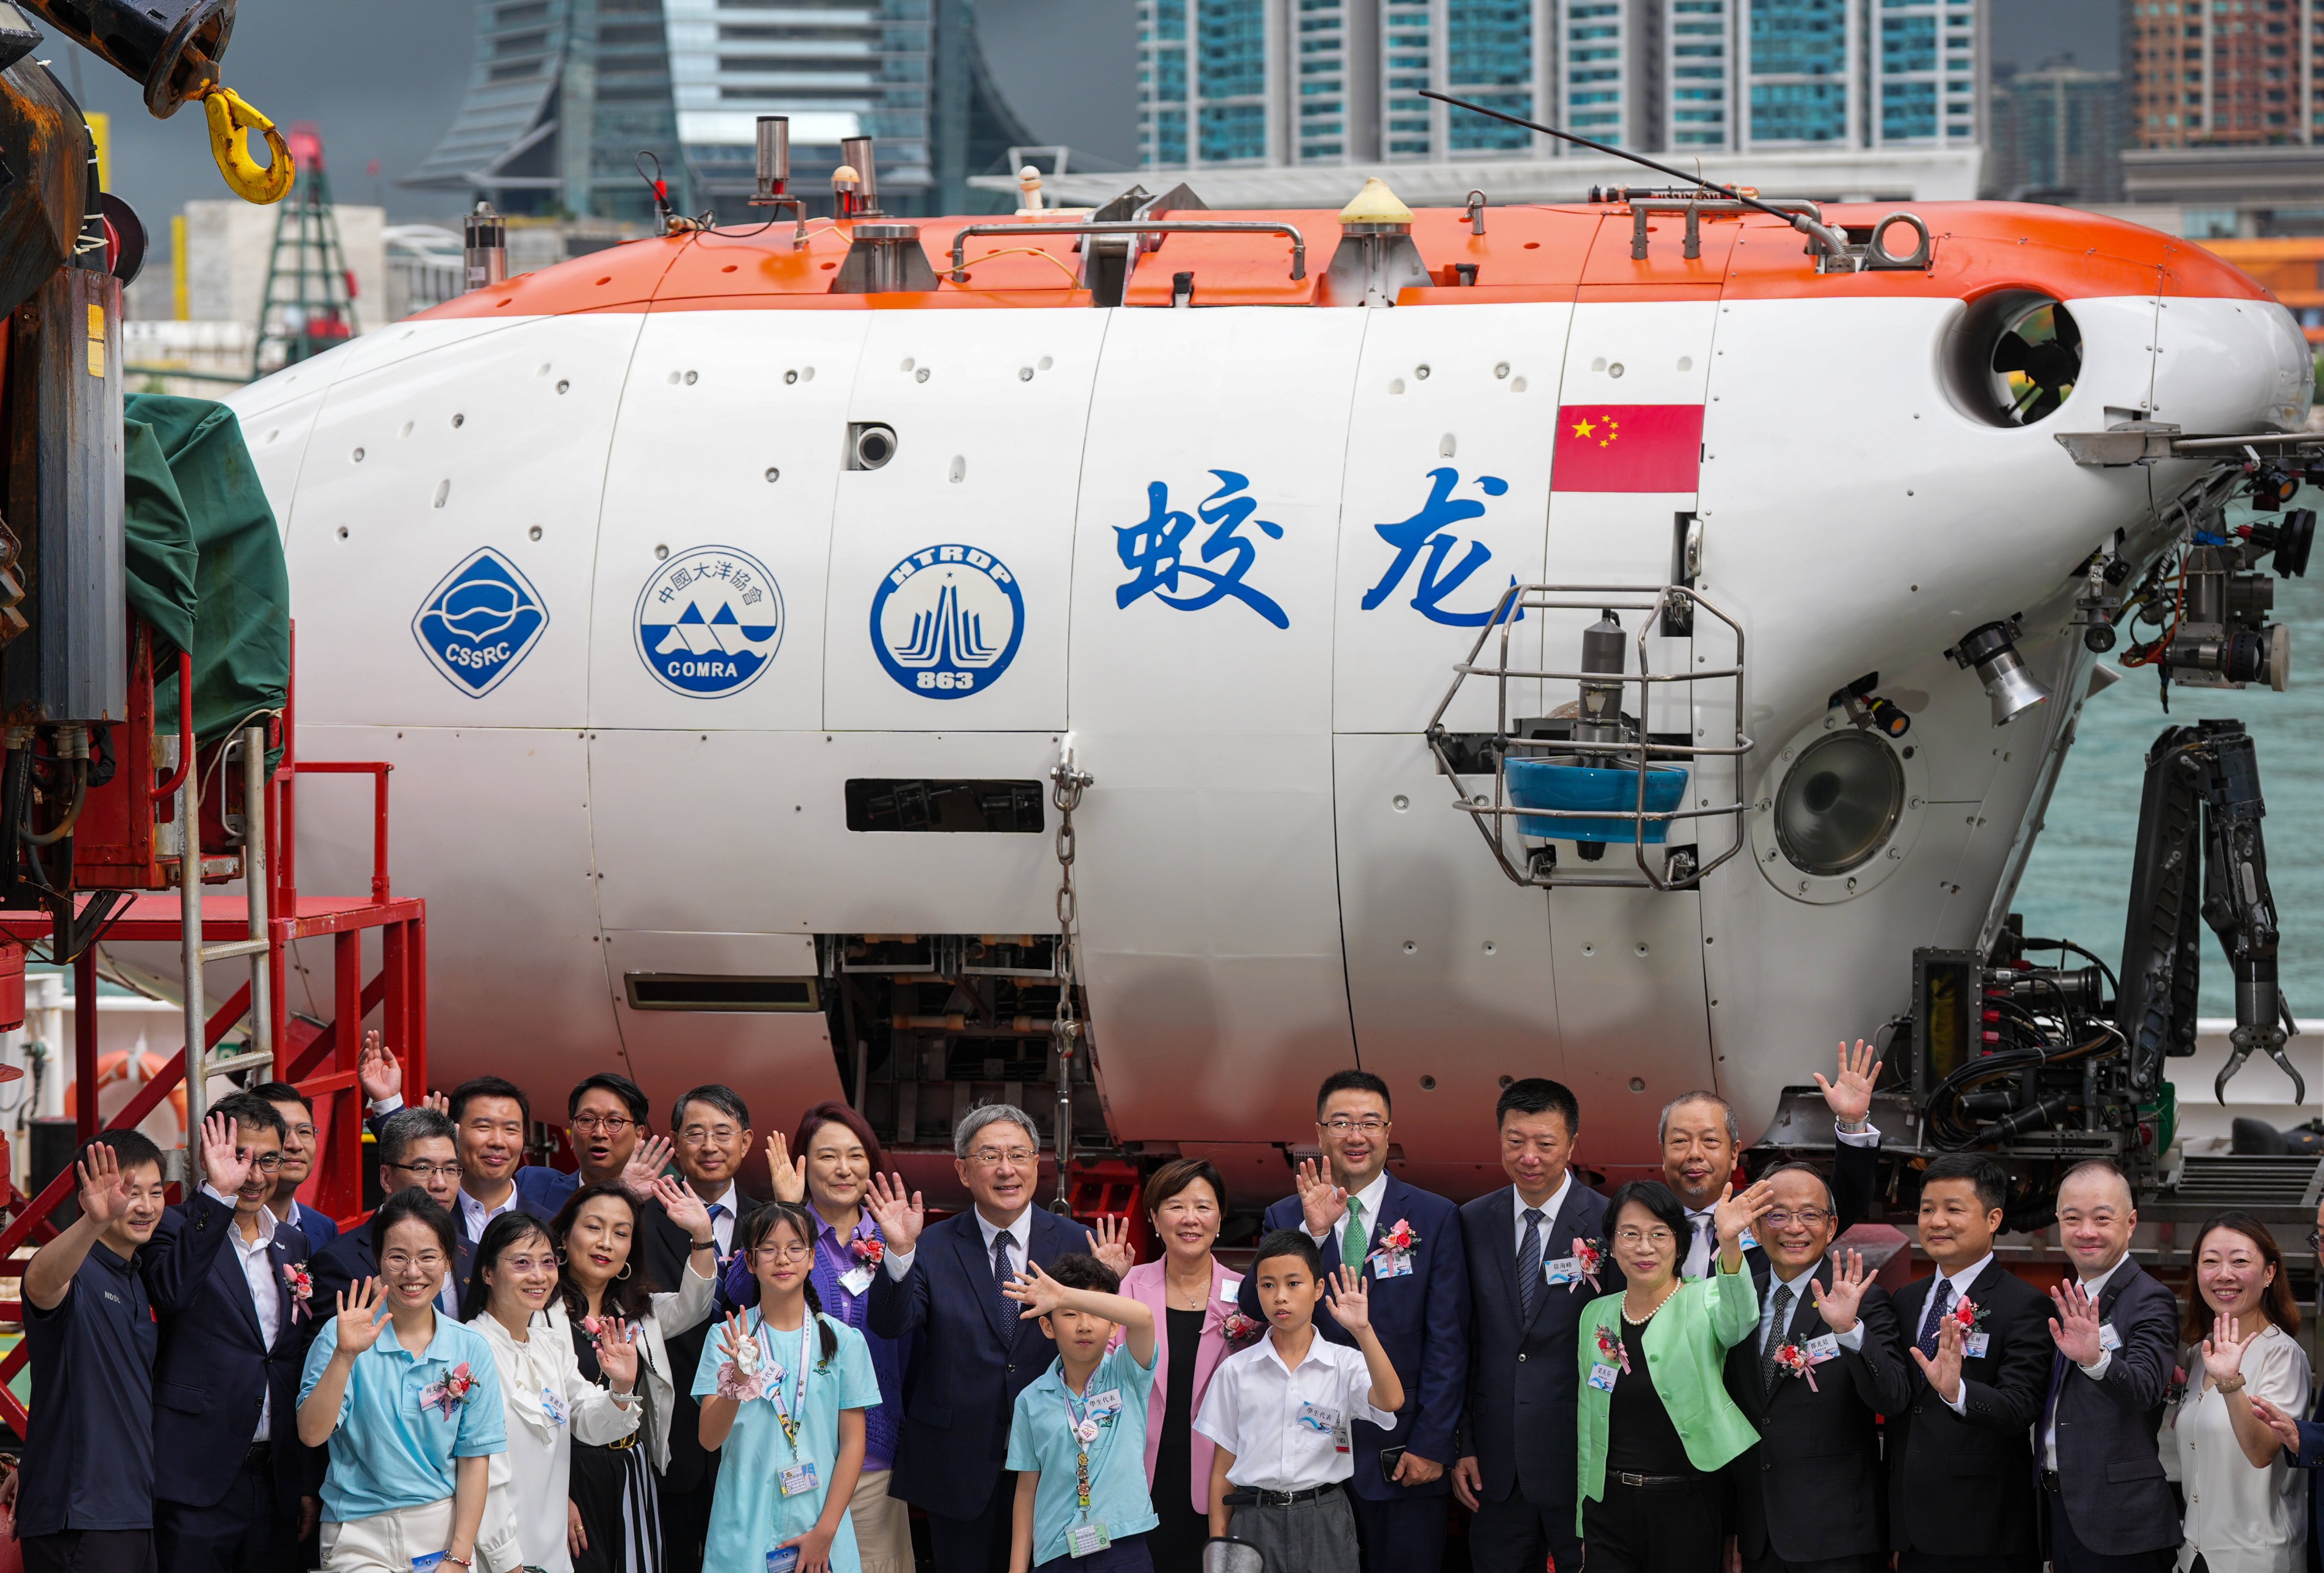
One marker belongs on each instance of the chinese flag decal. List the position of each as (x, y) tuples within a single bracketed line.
[(1627, 447)]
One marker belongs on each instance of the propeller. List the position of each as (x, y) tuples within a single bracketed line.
[(2051, 366)]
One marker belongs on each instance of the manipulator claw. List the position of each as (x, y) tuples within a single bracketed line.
[(2270, 1037)]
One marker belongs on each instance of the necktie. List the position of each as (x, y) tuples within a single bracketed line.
[(717, 1211), (1777, 1328), (1529, 1265), (1354, 1239), (1698, 1245), (1001, 1276), (1943, 1302)]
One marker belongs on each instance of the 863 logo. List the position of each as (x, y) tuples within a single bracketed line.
[(948, 621)]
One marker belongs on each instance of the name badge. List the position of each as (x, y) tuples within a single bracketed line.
[(1975, 1344), (429, 1563), (1822, 1348), (1083, 1539), (1318, 1417), (1229, 1289), (1564, 1270), (554, 1408), (1392, 1264), (2109, 1339), (1108, 1402), (856, 1279), (1746, 1243), (1601, 1377), (783, 1560), (798, 1480)]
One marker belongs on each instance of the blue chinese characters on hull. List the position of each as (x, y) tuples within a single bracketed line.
[(480, 622), (709, 621), (947, 620)]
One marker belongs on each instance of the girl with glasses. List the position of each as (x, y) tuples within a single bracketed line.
[(614, 1523), (784, 1389), (550, 1405), (410, 1403)]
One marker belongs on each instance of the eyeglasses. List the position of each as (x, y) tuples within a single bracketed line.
[(267, 1163), (794, 1251), (722, 1135), (1806, 1218), (611, 1124), (425, 1173), (2316, 1239), (1339, 1125), (527, 1264), (1644, 1237), (993, 1156), (303, 1133), (399, 1262)]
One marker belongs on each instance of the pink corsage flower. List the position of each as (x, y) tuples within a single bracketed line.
[(1793, 1359), (1586, 1257), (1612, 1350), (295, 1279), (453, 1392)]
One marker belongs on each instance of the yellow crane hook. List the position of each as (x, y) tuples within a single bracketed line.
[(230, 116)]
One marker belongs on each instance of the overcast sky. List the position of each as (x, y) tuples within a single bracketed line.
[(382, 81)]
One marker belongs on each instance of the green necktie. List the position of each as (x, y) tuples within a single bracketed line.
[(1354, 1237)]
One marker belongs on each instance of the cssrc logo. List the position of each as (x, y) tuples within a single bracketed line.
[(709, 621), (480, 622), (948, 621)]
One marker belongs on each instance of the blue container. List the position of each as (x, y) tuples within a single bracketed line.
[(1556, 783)]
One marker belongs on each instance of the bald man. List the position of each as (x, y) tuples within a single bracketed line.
[(2106, 1505)]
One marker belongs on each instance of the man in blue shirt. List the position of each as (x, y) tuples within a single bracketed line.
[(86, 1498)]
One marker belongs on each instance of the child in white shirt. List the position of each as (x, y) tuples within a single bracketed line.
[(1281, 1412)]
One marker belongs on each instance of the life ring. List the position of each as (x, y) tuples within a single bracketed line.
[(166, 1125)]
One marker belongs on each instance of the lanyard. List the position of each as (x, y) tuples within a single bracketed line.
[(1085, 1431), (784, 1417)]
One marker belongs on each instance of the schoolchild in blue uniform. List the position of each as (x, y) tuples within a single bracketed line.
[(783, 1390), (1077, 1440), (84, 1500)]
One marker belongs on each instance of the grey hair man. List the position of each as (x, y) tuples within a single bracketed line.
[(944, 1282), (1701, 1139)]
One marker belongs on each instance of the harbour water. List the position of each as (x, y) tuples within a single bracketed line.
[(2078, 878)]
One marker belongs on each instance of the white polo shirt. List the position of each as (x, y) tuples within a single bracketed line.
[(1290, 1430)]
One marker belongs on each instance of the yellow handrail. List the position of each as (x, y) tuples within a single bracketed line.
[(230, 116)]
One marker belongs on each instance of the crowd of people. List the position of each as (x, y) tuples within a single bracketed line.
[(638, 1367)]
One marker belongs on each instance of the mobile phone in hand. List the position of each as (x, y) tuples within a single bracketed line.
[(1388, 1459)]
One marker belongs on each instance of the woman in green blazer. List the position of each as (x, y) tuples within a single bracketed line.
[(1656, 1423)]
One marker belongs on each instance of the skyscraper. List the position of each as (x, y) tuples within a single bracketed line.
[(565, 94), (2057, 136), (1333, 81), (2223, 72)]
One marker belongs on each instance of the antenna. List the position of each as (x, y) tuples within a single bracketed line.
[(1820, 237)]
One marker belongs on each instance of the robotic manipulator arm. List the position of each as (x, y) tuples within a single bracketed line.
[(2201, 780)]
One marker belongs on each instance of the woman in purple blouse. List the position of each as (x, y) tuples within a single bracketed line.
[(837, 1154)]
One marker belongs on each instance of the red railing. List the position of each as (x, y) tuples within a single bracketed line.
[(321, 1062)]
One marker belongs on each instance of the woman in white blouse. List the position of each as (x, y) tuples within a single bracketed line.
[(2246, 1506), (548, 1400)]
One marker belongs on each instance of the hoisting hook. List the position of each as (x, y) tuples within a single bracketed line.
[(230, 116)]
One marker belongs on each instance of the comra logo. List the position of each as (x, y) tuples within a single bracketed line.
[(948, 621), (480, 622), (709, 621)]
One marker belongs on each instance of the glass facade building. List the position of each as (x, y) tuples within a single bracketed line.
[(565, 94), (1334, 81)]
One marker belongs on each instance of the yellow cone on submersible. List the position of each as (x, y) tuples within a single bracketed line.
[(1376, 204)]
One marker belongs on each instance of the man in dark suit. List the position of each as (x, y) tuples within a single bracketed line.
[(2105, 1500), (229, 1476), (1529, 1279), (712, 1124), (417, 1147), (1960, 1472), (1698, 1137), (297, 1165), (944, 1283), (1357, 1213), (1808, 1496)]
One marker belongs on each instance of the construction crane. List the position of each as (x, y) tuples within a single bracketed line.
[(309, 304)]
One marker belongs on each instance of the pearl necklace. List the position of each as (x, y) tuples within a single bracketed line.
[(1641, 1321)]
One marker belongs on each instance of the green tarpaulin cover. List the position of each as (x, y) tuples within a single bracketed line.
[(204, 562)]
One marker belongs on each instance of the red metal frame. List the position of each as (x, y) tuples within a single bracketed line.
[(321, 1064)]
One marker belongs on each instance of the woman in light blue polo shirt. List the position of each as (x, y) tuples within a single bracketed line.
[(411, 1403), (783, 1390)]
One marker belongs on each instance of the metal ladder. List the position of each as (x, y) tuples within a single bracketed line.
[(195, 955)]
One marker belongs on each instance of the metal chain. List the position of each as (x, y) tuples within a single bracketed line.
[(1067, 785)]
